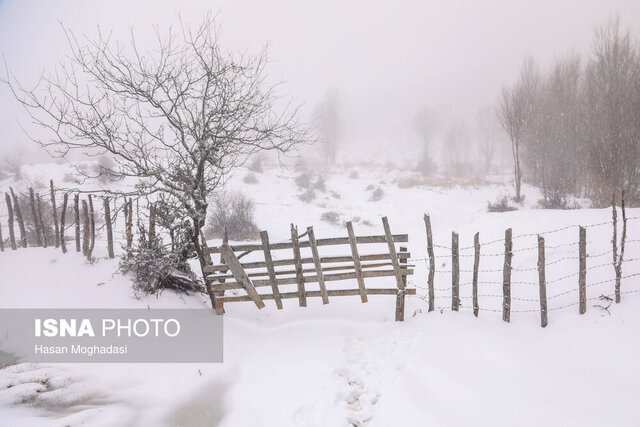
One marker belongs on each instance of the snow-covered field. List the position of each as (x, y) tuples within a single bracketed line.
[(348, 363)]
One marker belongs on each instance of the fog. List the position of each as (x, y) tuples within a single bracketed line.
[(386, 62)]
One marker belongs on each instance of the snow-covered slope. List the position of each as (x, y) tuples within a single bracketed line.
[(349, 363)]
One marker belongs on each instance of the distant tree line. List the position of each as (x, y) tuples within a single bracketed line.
[(575, 129)]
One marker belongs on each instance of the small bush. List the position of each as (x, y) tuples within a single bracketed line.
[(235, 213), (370, 187), (152, 269), (331, 217), (307, 196), (354, 175), (103, 169), (303, 180), (335, 195), (250, 179), (256, 164), (377, 195), (557, 204), (501, 205), (320, 184)]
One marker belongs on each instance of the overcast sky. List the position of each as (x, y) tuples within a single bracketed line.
[(387, 58)]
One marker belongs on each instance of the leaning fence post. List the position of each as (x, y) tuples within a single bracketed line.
[(107, 220), (12, 235), (34, 214), (45, 241), (400, 279), (543, 282), (506, 277), (582, 273), (476, 263), (16, 206), (455, 273), (432, 261), (302, 294), (56, 228)]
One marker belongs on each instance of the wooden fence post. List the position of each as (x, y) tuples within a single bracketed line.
[(63, 216), (400, 279), (107, 220), (432, 262), (543, 282), (623, 238), (318, 265), (56, 228), (86, 236), (76, 213), (506, 276), (582, 272), (12, 235), (455, 273), (264, 237), (92, 222), (403, 267), (356, 262), (20, 218), (476, 264), (45, 240), (302, 295), (34, 214), (129, 217)]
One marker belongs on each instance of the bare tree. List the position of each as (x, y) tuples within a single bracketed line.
[(487, 126), (177, 118), (327, 117), (425, 125), (514, 113)]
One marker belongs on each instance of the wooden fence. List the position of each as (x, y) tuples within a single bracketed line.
[(321, 272)]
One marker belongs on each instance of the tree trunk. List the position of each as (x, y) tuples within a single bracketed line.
[(19, 217), (152, 224), (56, 229), (63, 216), (86, 236), (197, 226), (12, 235), (76, 212)]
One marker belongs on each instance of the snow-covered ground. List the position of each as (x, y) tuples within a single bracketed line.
[(348, 363)]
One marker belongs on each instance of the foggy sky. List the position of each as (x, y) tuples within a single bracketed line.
[(388, 59)]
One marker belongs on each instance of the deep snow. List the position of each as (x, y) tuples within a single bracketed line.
[(349, 363)]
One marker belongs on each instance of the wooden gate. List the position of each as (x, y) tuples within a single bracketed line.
[(314, 276)]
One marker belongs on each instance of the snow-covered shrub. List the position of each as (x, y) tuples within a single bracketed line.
[(354, 175), (377, 195), (331, 217), (154, 268), (233, 212), (257, 163), (102, 169), (320, 184), (370, 187), (303, 180), (307, 196), (250, 178), (502, 204)]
